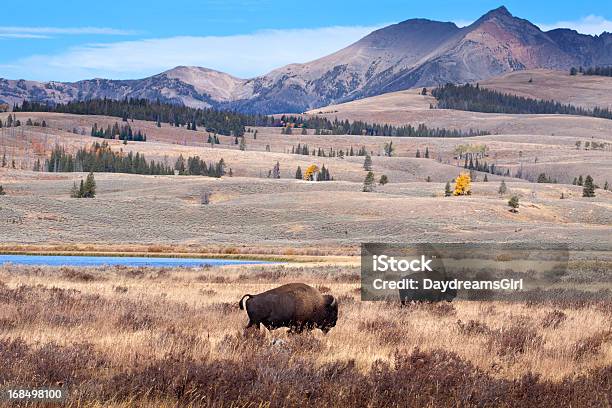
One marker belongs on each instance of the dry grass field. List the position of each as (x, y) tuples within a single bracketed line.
[(286, 214), (283, 215), (580, 90), (167, 337), (174, 337)]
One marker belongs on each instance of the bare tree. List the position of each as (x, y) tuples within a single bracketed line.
[(205, 197)]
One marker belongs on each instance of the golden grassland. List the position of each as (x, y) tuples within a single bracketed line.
[(263, 252), (126, 336)]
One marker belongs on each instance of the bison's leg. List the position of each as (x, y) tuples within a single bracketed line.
[(252, 323)]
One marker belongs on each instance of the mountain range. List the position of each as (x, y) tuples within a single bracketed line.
[(413, 53)]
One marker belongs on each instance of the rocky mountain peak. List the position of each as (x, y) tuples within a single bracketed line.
[(413, 53)]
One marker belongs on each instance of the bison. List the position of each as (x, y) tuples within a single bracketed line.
[(294, 305), (426, 295)]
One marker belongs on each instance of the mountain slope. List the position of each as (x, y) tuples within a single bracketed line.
[(409, 54)]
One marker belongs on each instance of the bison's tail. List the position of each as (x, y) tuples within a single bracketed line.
[(242, 303)]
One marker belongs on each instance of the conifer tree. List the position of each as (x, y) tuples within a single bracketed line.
[(383, 180), (447, 190), (205, 197), (485, 179), (502, 188), (81, 193), (242, 145), (418, 154), (513, 203), (89, 188), (74, 192), (427, 152), (368, 182), (580, 182), (2, 192), (298, 173), (589, 188), (276, 171), (180, 165), (389, 149), (367, 163)]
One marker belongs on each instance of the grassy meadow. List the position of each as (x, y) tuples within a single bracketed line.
[(126, 336), (173, 337)]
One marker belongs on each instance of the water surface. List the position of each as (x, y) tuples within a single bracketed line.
[(62, 260)]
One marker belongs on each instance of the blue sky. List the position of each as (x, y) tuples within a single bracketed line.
[(72, 40)]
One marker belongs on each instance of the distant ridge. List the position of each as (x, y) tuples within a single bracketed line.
[(412, 53)]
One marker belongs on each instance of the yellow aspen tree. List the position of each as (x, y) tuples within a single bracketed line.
[(310, 172), (463, 185)]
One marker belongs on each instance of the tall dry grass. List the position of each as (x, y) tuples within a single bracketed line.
[(167, 337)]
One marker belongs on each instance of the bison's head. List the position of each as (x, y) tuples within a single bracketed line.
[(331, 313)]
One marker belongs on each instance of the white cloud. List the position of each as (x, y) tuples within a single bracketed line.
[(23, 36), (14, 31), (463, 23), (244, 56), (592, 24)]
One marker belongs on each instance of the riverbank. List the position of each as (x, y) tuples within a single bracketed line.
[(299, 255)]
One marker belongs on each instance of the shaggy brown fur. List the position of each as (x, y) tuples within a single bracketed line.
[(294, 305)]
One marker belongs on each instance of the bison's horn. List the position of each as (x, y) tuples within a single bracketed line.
[(333, 303)]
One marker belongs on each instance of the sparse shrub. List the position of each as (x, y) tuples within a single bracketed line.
[(591, 345), (473, 327), (442, 309), (120, 289), (513, 340), (346, 299), (323, 288), (223, 307), (553, 319), (249, 341), (133, 320), (77, 275), (388, 331), (306, 343)]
